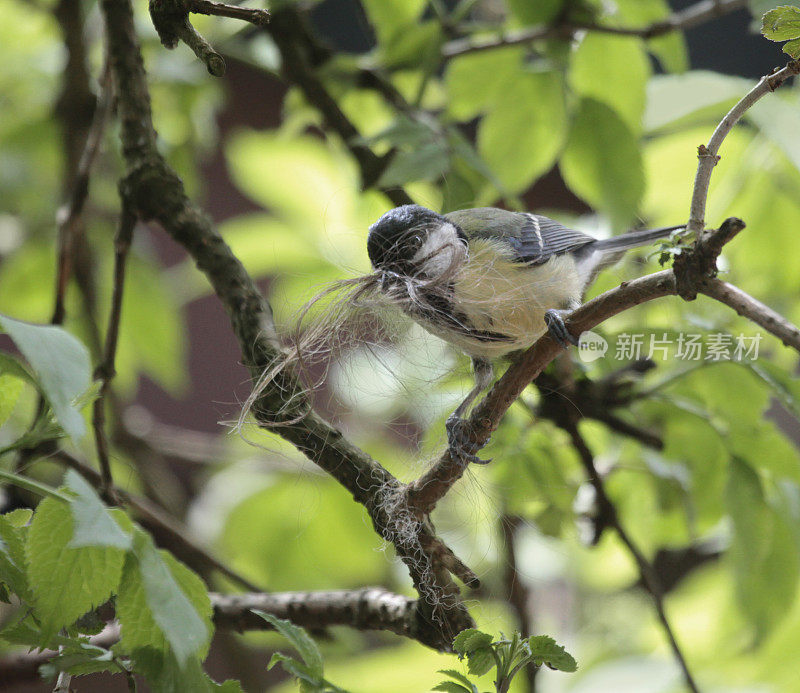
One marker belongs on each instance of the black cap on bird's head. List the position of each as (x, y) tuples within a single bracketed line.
[(396, 237)]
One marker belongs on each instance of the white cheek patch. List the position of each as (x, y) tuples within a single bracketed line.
[(440, 251)]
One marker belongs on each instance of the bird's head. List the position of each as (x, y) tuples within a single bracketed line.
[(415, 241)]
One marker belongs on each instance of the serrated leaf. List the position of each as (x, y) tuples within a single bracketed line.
[(92, 522), (453, 687), (61, 364), (545, 650), (602, 162), (792, 48), (12, 557), (25, 632), (782, 23), (165, 675), (458, 676), (471, 639), (66, 582), (480, 661), (80, 658), (161, 603), (297, 669), (300, 640)]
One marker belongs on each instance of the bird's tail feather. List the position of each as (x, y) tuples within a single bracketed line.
[(634, 239)]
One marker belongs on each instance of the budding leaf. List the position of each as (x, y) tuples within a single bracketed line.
[(469, 640), (545, 650), (783, 24)]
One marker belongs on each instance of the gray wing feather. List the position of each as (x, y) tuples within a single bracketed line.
[(540, 238)]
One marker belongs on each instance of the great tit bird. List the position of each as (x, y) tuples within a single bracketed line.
[(489, 281)]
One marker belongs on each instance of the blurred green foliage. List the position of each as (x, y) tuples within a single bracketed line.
[(619, 118)]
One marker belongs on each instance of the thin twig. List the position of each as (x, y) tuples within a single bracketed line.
[(69, 215), (752, 309), (297, 47), (214, 62), (153, 516), (105, 371), (156, 194), (423, 493), (369, 608), (708, 155), (684, 19), (517, 594), (63, 682), (608, 512), (254, 16)]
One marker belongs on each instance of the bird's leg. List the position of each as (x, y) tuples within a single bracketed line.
[(554, 319), (459, 442)]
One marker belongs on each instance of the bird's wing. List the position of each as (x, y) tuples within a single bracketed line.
[(533, 238)]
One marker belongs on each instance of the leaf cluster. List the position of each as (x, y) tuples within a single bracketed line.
[(72, 555), (506, 656)]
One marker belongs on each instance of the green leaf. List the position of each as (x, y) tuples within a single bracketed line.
[(670, 49), (61, 364), (782, 23), (32, 486), (419, 43), (92, 523), (297, 669), (792, 48), (458, 676), (66, 582), (763, 552), (471, 639), (12, 555), (25, 631), (12, 378), (524, 130), (390, 18), (625, 67), (602, 162), (475, 81), (545, 650), (696, 96), (428, 162), (453, 687), (162, 603), (81, 658), (300, 640), (480, 661), (539, 12), (165, 675), (151, 337)]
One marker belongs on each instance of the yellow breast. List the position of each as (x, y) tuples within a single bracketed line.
[(498, 295)]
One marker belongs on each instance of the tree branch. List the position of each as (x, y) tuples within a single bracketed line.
[(370, 608), (608, 513), (687, 18), (752, 309), (708, 154), (423, 493), (298, 47), (106, 369), (156, 193)]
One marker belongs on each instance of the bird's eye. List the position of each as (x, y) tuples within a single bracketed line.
[(418, 240)]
